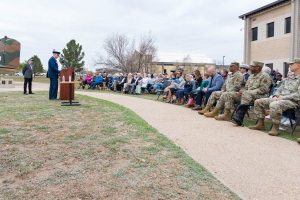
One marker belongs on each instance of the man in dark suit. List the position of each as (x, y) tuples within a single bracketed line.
[(215, 84), (53, 73), (27, 73)]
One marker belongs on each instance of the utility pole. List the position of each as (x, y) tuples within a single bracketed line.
[(223, 60)]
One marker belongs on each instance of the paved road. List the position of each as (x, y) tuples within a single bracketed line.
[(249, 162)]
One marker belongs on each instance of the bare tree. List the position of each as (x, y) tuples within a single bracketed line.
[(120, 54), (147, 52)]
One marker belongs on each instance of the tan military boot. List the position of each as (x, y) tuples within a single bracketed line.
[(298, 140), (275, 130), (259, 126), (225, 116), (212, 113), (205, 110)]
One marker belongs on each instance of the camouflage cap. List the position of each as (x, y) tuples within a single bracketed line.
[(257, 64), (244, 66), (235, 63), (296, 60)]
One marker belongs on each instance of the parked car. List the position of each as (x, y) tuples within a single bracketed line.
[(18, 74)]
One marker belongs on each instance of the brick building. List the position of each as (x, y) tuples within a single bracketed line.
[(272, 34)]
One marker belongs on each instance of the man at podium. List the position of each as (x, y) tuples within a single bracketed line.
[(53, 73)]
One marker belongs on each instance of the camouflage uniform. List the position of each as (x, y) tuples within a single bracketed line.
[(233, 83), (289, 91), (256, 87)]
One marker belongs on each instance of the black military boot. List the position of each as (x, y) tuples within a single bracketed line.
[(240, 114)]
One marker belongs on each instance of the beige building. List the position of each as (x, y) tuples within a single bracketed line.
[(272, 34), (169, 62)]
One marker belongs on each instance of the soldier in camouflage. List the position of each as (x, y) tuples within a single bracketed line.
[(286, 97), (233, 83), (257, 86)]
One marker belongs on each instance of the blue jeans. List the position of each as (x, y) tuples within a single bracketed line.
[(160, 86), (180, 93)]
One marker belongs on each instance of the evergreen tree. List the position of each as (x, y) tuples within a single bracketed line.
[(21, 66), (72, 56), (37, 64)]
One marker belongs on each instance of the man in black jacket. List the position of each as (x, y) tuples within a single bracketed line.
[(27, 73)]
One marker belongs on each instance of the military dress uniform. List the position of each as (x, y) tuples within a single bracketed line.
[(257, 86), (52, 74)]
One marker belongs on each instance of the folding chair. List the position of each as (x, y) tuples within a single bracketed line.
[(166, 84), (237, 106), (293, 126)]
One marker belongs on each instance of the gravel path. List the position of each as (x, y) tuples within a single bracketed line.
[(251, 163)]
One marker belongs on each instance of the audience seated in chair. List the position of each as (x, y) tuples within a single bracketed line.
[(131, 87), (234, 83), (151, 82), (98, 81), (129, 80), (120, 84), (286, 97), (87, 80), (187, 88), (215, 84), (174, 81), (199, 79), (257, 86), (175, 86)]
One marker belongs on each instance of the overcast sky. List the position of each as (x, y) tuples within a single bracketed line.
[(209, 27)]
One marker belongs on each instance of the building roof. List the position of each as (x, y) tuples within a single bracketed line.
[(179, 57), (264, 8)]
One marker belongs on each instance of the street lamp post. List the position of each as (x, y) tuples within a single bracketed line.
[(223, 60)]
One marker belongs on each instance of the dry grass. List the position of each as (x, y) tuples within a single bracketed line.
[(96, 151)]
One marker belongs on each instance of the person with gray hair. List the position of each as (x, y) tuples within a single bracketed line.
[(266, 69), (215, 84), (27, 73)]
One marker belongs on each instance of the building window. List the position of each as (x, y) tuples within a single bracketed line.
[(288, 25), (254, 34), (270, 65), (270, 29), (286, 68)]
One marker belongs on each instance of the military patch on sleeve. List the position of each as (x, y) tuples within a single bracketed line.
[(265, 81)]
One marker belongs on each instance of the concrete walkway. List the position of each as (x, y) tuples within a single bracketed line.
[(251, 163)]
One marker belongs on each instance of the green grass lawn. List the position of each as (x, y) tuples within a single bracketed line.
[(99, 150)]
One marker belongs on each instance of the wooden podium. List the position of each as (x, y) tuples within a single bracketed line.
[(65, 92)]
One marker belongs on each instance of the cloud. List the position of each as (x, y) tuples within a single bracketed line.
[(192, 26)]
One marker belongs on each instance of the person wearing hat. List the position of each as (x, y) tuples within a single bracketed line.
[(233, 83), (53, 73), (27, 73), (244, 70), (286, 97), (257, 86)]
